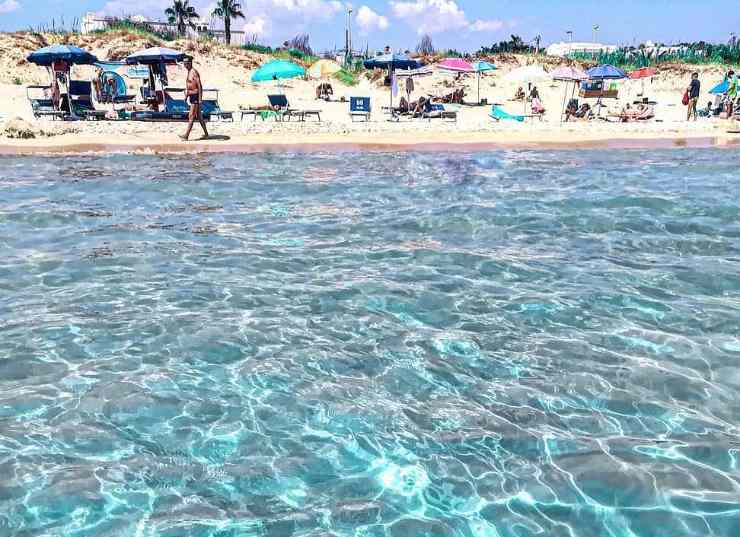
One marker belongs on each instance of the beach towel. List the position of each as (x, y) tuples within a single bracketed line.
[(499, 114)]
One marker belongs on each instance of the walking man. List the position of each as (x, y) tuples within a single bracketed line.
[(194, 95), (694, 90)]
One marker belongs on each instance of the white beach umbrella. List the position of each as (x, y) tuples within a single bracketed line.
[(528, 74)]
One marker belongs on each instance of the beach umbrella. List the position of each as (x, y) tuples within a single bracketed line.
[(324, 69), (568, 74), (457, 65), (721, 88), (155, 55), (641, 74), (481, 66), (278, 70), (68, 53), (606, 72), (528, 73), (391, 62), (644, 72)]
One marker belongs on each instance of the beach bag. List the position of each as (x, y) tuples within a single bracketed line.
[(685, 100)]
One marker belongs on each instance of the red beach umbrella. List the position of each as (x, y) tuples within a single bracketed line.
[(645, 72), (642, 74)]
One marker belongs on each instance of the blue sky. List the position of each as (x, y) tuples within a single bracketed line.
[(461, 24)]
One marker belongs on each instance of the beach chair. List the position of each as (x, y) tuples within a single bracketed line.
[(499, 113), (174, 109), (438, 111), (211, 108), (41, 103), (359, 107), (280, 104), (81, 101)]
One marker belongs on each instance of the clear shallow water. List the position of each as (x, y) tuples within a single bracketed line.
[(500, 344)]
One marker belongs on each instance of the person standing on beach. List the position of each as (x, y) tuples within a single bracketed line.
[(694, 90), (194, 95), (409, 87)]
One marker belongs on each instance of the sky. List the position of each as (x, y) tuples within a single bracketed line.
[(461, 24)]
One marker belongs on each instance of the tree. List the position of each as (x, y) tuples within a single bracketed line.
[(227, 10), (425, 46), (182, 14)]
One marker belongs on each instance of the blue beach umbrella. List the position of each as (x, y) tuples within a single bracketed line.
[(606, 72), (68, 53), (155, 55), (278, 70), (391, 61), (721, 88)]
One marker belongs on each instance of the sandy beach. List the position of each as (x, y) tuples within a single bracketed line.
[(229, 71)]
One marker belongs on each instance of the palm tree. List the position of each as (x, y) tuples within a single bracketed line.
[(182, 14), (227, 10)]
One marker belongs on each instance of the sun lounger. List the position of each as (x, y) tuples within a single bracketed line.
[(174, 109), (499, 113), (211, 108), (438, 111), (41, 104), (359, 107), (280, 104)]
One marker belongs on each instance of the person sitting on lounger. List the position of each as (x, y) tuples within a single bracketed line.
[(423, 105), (584, 112), (324, 91), (706, 112), (520, 95), (534, 94), (537, 107), (571, 109)]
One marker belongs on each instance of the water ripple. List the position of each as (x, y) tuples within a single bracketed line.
[(498, 344)]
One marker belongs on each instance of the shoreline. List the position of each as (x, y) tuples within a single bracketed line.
[(422, 142)]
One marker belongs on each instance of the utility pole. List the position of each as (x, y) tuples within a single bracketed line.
[(348, 34)]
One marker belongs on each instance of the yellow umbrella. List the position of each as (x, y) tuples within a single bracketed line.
[(323, 69)]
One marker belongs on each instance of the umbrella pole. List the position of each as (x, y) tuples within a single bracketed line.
[(565, 96), (479, 87)]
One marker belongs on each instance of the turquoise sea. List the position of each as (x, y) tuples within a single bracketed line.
[(371, 344)]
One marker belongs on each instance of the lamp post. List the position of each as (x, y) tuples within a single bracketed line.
[(349, 31)]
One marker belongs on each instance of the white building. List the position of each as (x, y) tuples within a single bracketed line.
[(563, 49)]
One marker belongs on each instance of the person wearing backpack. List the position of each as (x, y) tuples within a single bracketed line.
[(693, 91)]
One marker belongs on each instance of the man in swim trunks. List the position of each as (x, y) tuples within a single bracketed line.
[(194, 95)]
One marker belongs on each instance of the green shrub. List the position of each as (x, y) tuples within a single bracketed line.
[(346, 77)]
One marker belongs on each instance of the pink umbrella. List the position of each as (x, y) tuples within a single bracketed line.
[(456, 64), (568, 73)]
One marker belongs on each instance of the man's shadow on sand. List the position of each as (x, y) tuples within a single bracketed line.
[(216, 137)]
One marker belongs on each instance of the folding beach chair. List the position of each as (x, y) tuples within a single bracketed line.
[(81, 102), (211, 108), (41, 104), (359, 107)]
